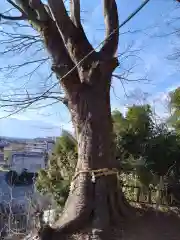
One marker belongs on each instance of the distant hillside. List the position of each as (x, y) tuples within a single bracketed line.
[(24, 140), (11, 144)]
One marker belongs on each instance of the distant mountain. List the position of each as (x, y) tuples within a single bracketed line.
[(11, 128), (23, 140), (2, 138)]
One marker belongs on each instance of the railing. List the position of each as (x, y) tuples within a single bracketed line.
[(15, 224), (148, 195)]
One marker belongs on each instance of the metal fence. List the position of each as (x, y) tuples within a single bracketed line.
[(22, 223), (148, 195), (18, 223)]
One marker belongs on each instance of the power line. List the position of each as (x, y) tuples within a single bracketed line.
[(92, 51)]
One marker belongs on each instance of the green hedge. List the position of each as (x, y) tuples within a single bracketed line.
[(25, 178)]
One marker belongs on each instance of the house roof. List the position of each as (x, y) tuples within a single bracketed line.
[(28, 154), (3, 143)]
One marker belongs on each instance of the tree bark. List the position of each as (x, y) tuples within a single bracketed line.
[(92, 208)]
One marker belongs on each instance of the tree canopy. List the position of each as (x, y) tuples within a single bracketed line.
[(174, 105)]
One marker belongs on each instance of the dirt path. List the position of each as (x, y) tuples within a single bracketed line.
[(152, 226)]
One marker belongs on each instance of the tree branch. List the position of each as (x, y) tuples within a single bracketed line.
[(41, 20), (61, 17), (111, 19), (75, 12), (35, 11), (17, 102), (15, 18), (15, 6), (106, 43), (74, 38), (40, 9), (18, 18), (24, 6)]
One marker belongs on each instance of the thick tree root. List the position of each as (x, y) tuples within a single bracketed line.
[(99, 208)]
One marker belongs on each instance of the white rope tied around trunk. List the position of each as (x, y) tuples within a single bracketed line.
[(95, 173)]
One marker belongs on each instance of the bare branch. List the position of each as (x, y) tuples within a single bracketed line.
[(18, 42), (75, 12), (54, 38), (9, 102), (111, 19), (40, 9), (61, 17), (18, 18), (114, 31), (14, 18), (16, 6), (23, 6), (41, 20), (36, 15), (15, 103), (74, 38)]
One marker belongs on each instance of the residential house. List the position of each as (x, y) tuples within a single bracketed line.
[(40, 145), (32, 161), (3, 144)]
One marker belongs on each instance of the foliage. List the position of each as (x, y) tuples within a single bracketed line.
[(134, 129), (144, 149), (163, 151), (174, 104), (25, 178), (57, 177), (64, 144), (119, 122), (132, 132)]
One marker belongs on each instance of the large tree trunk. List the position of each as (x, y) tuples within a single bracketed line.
[(93, 207)]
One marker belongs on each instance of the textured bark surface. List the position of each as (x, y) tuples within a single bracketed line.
[(93, 209)]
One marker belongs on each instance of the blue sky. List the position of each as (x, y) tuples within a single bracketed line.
[(148, 54)]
